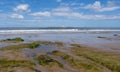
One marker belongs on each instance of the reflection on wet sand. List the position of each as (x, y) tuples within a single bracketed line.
[(72, 52)]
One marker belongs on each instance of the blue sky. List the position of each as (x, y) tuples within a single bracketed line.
[(50, 13)]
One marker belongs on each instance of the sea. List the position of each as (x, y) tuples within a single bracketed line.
[(18, 30), (110, 37)]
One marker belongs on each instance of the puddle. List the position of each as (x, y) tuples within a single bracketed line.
[(43, 48), (3, 44)]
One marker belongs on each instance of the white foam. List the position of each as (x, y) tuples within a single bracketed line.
[(53, 30)]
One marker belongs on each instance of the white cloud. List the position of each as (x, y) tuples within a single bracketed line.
[(61, 14), (62, 9), (111, 3), (68, 13), (22, 8), (16, 16), (108, 9), (71, 4), (46, 14), (76, 15), (36, 20), (96, 6), (59, 0), (83, 16)]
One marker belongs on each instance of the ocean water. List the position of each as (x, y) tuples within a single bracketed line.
[(15, 30), (84, 36)]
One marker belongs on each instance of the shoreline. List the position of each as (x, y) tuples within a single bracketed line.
[(99, 40), (54, 56), (66, 52), (57, 31)]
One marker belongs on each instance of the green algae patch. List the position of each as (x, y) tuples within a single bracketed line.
[(17, 39), (81, 64), (15, 63), (21, 46), (33, 45), (107, 59), (45, 60)]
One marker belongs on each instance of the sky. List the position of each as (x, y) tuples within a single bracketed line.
[(59, 13)]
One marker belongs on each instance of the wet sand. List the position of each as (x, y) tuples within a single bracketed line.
[(61, 52), (107, 42)]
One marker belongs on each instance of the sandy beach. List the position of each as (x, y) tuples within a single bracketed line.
[(100, 40), (59, 35), (60, 52)]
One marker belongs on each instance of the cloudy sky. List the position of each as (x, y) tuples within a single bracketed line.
[(44, 13)]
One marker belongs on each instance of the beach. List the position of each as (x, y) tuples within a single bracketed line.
[(59, 35), (60, 51), (103, 39)]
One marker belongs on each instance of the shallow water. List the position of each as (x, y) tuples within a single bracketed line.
[(87, 39), (43, 48)]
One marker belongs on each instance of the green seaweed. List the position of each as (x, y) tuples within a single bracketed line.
[(15, 63), (106, 59), (46, 60), (17, 39), (33, 45)]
